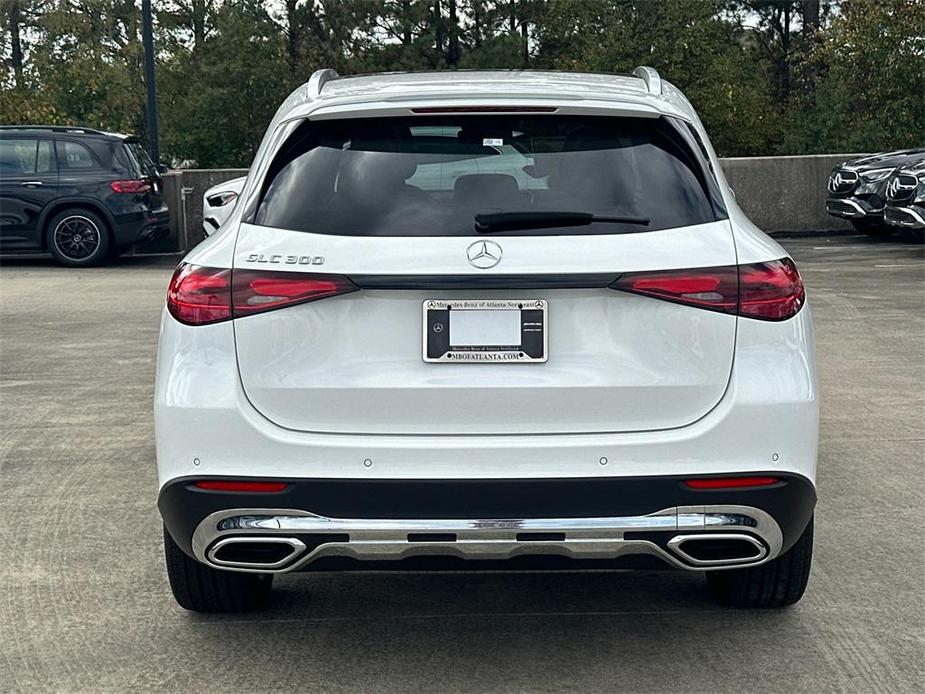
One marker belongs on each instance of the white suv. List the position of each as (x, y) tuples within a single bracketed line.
[(486, 319)]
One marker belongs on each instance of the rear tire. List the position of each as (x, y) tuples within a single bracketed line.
[(872, 227), (201, 588), (777, 583), (912, 235), (77, 237)]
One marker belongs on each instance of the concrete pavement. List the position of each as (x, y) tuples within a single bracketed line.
[(84, 601)]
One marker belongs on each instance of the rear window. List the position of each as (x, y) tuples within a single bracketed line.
[(142, 161), (432, 176)]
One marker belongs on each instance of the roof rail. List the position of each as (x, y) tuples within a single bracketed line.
[(650, 76), (56, 128), (320, 78)]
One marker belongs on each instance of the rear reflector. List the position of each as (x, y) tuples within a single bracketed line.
[(240, 486), (731, 482), (767, 291), (202, 295), (136, 187)]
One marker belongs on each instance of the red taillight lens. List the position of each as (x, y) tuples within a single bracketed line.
[(731, 482), (240, 486), (255, 291), (768, 291), (203, 295), (713, 288), (199, 295), (130, 186)]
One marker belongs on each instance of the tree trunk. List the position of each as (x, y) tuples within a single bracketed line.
[(785, 63), (14, 14), (810, 27), (438, 30), (293, 36), (452, 55), (405, 19), (199, 24), (525, 35), (477, 23)]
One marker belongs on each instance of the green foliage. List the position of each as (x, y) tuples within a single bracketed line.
[(214, 109), (852, 79)]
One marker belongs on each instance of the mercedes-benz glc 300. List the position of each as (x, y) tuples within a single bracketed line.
[(486, 319)]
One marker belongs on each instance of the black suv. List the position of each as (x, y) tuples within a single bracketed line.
[(905, 201), (857, 189), (82, 195)]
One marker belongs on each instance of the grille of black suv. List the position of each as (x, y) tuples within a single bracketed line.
[(901, 188), (842, 181)]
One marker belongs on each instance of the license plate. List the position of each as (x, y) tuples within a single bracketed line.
[(485, 330)]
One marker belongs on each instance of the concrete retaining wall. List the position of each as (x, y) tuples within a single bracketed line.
[(777, 193), (785, 193)]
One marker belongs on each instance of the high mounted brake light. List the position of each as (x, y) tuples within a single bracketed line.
[(483, 109), (767, 291), (202, 295)]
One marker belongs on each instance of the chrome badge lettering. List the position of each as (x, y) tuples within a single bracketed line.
[(277, 259)]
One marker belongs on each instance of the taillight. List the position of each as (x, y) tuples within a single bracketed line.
[(768, 291), (199, 295), (203, 295), (130, 186), (254, 291)]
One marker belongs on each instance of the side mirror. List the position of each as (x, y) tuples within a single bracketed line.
[(162, 168)]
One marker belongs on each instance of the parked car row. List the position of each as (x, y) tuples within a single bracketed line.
[(881, 194), (81, 195)]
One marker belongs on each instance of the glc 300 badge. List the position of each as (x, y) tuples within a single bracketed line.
[(285, 259)]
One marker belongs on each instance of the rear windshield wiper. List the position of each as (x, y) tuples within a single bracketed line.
[(488, 223)]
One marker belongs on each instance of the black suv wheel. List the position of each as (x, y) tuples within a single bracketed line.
[(77, 237), (777, 583), (201, 588), (912, 235), (872, 227)]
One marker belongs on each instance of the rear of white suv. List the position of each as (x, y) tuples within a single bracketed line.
[(452, 330)]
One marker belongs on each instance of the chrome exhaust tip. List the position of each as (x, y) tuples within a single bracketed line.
[(718, 549), (256, 552)]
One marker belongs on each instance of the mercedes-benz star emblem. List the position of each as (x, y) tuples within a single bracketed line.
[(484, 254), (892, 188)]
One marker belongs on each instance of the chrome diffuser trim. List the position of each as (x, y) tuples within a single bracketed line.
[(858, 210), (585, 538)]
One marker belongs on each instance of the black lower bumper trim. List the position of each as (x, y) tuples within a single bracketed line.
[(790, 501)]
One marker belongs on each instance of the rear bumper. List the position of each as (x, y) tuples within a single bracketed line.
[(141, 225), (384, 523)]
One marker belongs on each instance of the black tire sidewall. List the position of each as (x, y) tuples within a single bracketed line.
[(912, 235), (872, 227), (99, 255)]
